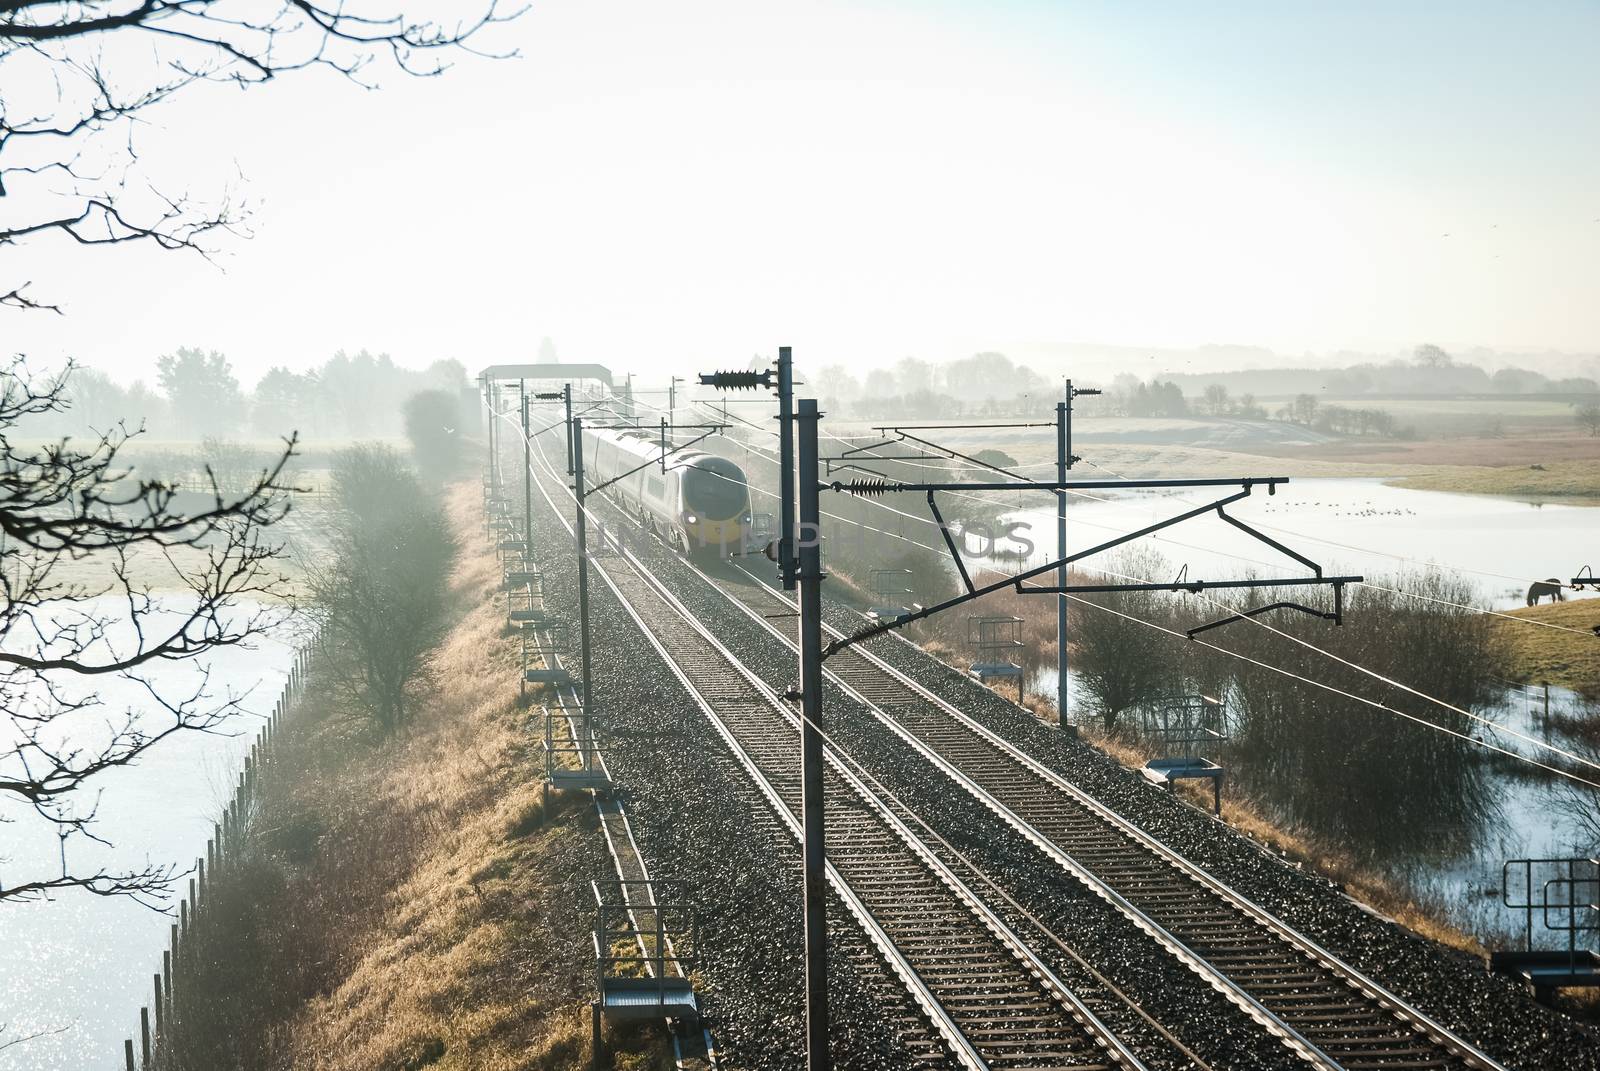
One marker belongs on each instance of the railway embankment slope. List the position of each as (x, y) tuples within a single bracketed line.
[(406, 903)]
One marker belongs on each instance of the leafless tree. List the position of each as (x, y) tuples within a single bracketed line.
[(104, 575), (1121, 660), (380, 591), (1588, 416), (78, 76)]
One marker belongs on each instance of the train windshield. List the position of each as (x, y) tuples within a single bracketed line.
[(714, 487)]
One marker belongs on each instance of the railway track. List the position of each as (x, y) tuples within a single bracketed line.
[(992, 1000), (1326, 1011), (995, 1002)]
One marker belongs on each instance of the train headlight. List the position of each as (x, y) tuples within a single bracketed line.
[(689, 518)]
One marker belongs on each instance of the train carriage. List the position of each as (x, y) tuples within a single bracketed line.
[(700, 503)]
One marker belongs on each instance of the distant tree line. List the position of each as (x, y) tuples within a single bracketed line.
[(1342, 420), (1153, 399), (991, 384), (1430, 370), (985, 384), (197, 395)]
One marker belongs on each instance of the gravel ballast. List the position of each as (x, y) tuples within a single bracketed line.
[(687, 814)]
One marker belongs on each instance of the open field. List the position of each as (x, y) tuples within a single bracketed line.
[(1473, 415), (1568, 463), (1577, 481), (1458, 452), (1540, 655)]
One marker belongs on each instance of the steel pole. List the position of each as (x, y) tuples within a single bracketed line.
[(494, 418), (527, 477), (583, 560), (786, 541), (811, 762), (1063, 462), (566, 394), (483, 383)]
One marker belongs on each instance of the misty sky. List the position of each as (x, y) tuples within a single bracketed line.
[(691, 182)]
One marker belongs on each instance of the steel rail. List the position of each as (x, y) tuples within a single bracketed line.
[(1386, 1000), (1296, 1041), (1098, 1031), (939, 1016)]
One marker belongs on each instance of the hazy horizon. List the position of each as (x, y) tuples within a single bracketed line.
[(662, 188), (1082, 360)]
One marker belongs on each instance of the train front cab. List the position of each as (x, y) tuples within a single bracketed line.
[(715, 509)]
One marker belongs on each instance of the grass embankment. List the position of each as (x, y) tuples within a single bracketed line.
[(403, 903), (1578, 481), (1549, 655)]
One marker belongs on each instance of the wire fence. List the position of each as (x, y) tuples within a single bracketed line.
[(160, 1022)]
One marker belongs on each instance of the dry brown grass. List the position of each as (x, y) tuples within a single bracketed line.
[(1574, 481), (466, 950), (425, 911)]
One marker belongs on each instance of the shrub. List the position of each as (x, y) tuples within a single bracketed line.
[(433, 427), (381, 595)]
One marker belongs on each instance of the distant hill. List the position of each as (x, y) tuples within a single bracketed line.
[(1267, 373)]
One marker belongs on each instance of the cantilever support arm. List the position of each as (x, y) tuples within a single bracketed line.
[(1269, 541), (949, 541), (1243, 614), (1039, 570), (1195, 586), (957, 453)]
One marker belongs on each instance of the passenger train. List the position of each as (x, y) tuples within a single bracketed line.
[(701, 503)]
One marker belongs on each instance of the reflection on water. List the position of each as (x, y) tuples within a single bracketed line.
[(1457, 870), (80, 965), (1533, 817), (1365, 526)]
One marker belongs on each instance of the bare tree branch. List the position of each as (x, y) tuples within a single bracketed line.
[(8, 1043), (62, 172), (221, 586), (16, 299)]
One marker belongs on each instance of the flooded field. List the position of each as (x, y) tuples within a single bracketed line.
[(1362, 526), (1367, 527), (1531, 816), (77, 967)]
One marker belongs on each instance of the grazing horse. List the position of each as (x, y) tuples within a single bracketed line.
[(1540, 588)]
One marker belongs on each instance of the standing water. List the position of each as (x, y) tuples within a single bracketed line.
[(1361, 526), (76, 968), (1368, 527)]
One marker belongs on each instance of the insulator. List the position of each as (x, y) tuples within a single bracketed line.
[(737, 380), (866, 488)]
